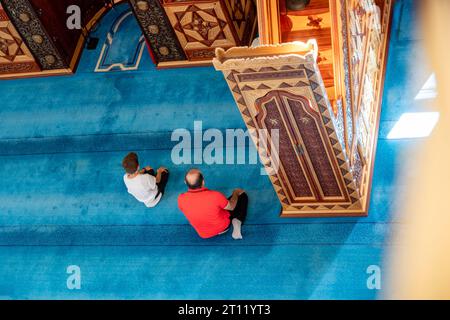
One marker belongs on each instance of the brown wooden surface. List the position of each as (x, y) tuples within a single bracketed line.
[(53, 16)]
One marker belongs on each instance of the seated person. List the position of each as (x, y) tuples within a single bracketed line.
[(146, 186), (210, 212)]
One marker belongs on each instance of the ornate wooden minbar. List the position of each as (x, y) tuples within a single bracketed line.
[(327, 129)]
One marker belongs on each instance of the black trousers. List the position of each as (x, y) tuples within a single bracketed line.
[(162, 182), (240, 211)]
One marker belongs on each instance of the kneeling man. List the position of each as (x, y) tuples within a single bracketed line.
[(210, 212)]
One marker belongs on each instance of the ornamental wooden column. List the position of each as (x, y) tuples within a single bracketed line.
[(268, 21)]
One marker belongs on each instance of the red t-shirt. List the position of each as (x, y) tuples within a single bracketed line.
[(205, 211)]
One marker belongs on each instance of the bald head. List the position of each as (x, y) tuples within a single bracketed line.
[(194, 179)]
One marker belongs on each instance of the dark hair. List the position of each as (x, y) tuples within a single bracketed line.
[(130, 163), (197, 184)]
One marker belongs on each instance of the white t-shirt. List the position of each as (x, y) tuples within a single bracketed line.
[(143, 187)]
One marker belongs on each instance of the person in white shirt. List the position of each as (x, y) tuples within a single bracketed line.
[(146, 186)]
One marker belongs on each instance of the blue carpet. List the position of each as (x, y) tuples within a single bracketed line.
[(63, 202), (124, 46)]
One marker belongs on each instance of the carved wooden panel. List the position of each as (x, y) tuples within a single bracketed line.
[(242, 14), (305, 158), (203, 26), (311, 137), (364, 32), (157, 30), (15, 57), (365, 25), (28, 24), (272, 115)]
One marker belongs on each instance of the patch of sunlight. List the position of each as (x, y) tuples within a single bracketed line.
[(428, 90), (414, 125)]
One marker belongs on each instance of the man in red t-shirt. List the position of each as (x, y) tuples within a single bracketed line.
[(210, 212)]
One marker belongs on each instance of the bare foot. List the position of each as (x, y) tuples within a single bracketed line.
[(237, 235)]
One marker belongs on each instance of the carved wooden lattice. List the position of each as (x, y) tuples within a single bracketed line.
[(366, 23)]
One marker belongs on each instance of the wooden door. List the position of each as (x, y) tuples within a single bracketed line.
[(306, 165)]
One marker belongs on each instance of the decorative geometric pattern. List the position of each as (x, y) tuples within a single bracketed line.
[(201, 28), (337, 147), (364, 45), (200, 25), (157, 30), (14, 54), (11, 44), (272, 118), (311, 146), (346, 65), (27, 22), (243, 15)]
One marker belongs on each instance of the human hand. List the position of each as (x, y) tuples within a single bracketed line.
[(238, 191), (162, 169)]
